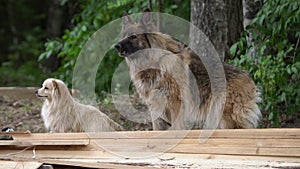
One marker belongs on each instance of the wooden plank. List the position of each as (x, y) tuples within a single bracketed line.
[(182, 149), (44, 142), (97, 164), (112, 149), (173, 159), (19, 164), (174, 163), (206, 149), (197, 161), (119, 156), (201, 134), (219, 142), (54, 154), (18, 132), (193, 134), (235, 142), (229, 157), (50, 136), (90, 147), (282, 152), (249, 133), (216, 142)]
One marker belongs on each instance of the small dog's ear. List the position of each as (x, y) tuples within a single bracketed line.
[(126, 19), (146, 19), (55, 86)]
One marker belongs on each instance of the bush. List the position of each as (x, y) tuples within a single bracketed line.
[(275, 63)]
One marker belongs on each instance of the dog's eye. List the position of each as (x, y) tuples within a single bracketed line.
[(133, 36)]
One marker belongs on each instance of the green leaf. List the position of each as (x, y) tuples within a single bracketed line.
[(294, 70), (233, 49), (257, 74), (270, 117), (283, 96), (289, 70)]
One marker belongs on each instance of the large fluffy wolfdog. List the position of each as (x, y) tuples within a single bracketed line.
[(159, 68)]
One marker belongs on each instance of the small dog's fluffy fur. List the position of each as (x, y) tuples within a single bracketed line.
[(61, 113)]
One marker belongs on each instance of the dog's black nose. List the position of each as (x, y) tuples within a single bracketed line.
[(36, 92), (118, 46)]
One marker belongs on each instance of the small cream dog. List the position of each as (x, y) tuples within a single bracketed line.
[(62, 113)]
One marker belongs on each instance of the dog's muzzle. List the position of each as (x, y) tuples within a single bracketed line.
[(120, 49), (37, 94)]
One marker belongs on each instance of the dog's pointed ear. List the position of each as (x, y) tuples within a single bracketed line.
[(55, 86), (126, 19), (146, 19)]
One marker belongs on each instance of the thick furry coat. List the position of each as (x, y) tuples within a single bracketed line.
[(163, 70), (62, 113)]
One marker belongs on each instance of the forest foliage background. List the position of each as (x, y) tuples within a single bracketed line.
[(32, 49)]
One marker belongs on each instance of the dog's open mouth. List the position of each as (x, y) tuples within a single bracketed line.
[(123, 53), (40, 95), (37, 94)]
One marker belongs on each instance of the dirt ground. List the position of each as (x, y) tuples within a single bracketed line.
[(20, 110)]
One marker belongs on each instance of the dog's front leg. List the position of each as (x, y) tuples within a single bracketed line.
[(159, 124), (157, 102)]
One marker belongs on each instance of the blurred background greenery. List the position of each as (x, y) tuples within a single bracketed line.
[(41, 39)]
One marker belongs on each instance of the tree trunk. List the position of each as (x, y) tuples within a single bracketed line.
[(58, 16), (235, 23), (13, 29), (221, 21), (55, 19), (159, 10), (250, 9), (54, 29)]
